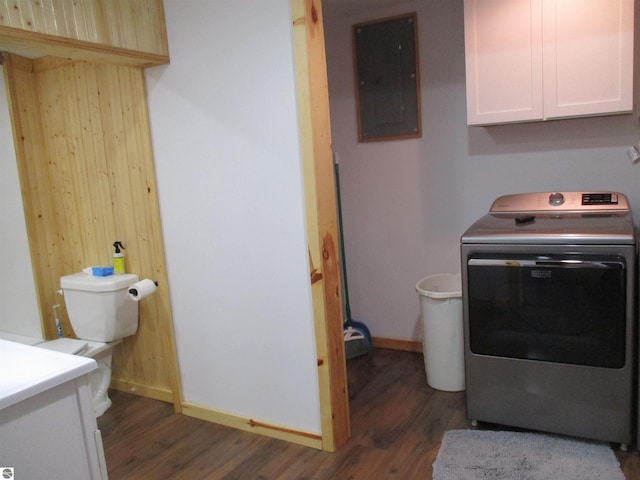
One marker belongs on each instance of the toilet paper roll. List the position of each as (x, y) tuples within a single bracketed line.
[(142, 289)]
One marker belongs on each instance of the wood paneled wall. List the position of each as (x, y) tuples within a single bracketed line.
[(87, 176), (132, 25), (123, 32)]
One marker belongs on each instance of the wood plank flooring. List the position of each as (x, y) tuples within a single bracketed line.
[(397, 423)]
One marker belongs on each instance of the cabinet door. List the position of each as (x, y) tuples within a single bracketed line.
[(588, 57), (503, 45)]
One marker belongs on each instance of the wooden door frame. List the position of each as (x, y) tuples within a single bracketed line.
[(322, 225)]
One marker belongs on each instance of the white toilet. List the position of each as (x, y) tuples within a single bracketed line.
[(101, 314)]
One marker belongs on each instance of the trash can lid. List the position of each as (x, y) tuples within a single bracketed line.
[(441, 285)]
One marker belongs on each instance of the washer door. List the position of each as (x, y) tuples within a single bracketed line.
[(553, 308)]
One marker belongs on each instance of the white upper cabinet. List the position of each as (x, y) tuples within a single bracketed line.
[(530, 60), (588, 57), (503, 45)]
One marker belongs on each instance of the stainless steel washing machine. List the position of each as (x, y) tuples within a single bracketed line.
[(549, 321)]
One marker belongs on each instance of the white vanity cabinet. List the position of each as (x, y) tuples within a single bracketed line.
[(48, 427), (529, 60)]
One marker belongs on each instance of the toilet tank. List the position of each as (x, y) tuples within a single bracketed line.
[(99, 308)]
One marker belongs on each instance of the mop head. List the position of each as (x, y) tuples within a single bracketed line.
[(356, 343)]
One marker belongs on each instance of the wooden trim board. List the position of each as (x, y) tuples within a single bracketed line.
[(157, 393), (397, 344), (322, 225), (308, 439)]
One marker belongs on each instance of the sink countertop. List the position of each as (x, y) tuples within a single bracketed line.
[(26, 371)]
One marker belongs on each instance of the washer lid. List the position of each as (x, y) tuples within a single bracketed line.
[(578, 218), (555, 229)]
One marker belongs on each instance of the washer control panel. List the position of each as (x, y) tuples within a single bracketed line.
[(599, 199), (561, 201), (556, 199)]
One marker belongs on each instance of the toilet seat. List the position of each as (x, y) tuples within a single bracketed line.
[(85, 348), (72, 346), (65, 345)]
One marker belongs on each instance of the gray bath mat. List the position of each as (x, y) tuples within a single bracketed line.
[(489, 455)]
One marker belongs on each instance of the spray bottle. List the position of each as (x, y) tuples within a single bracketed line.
[(118, 259)]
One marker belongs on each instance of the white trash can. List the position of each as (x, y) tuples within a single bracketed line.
[(442, 332)]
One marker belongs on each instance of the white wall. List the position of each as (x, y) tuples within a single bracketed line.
[(19, 312), (225, 140), (406, 203)]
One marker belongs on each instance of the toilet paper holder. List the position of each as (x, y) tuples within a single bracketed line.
[(136, 294)]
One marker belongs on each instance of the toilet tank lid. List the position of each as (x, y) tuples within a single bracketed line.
[(90, 283)]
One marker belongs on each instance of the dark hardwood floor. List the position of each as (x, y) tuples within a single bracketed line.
[(397, 423)]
